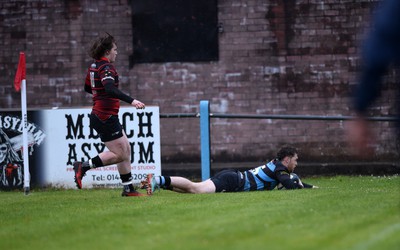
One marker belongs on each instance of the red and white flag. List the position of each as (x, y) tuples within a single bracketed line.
[(20, 85), (21, 72)]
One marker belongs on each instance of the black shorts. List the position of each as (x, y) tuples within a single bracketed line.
[(228, 180), (109, 129)]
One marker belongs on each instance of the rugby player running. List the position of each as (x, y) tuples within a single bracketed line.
[(102, 82)]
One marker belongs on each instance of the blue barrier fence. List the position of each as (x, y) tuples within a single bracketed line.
[(205, 116)]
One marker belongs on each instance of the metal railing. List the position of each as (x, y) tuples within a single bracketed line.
[(281, 117), (205, 116)]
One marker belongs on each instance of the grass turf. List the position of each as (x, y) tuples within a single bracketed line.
[(345, 213)]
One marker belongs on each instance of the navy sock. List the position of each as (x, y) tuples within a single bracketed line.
[(127, 182), (95, 162), (165, 181)]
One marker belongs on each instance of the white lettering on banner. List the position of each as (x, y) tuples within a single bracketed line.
[(15, 124), (11, 149), (74, 140)]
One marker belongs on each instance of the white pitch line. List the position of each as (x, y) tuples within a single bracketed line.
[(378, 237)]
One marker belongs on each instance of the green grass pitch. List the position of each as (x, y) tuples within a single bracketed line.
[(345, 213)]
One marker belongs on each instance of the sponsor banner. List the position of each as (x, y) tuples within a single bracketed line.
[(11, 148), (59, 137)]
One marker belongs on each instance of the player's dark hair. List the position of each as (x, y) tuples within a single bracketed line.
[(286, 151), (101, 45)]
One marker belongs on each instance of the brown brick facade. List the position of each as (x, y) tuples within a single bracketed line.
[(275, 57)]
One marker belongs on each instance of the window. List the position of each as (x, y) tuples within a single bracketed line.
[(174, 31)]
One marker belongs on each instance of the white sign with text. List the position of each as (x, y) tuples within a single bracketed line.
[(69, 138)]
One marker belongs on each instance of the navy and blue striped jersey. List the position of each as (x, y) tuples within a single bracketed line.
[(266, 177)]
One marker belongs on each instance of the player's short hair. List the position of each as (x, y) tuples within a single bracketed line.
[(286, 151), (101, 45)]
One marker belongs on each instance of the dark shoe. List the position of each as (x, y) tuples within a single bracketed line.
[(132, 193), (78, 173)]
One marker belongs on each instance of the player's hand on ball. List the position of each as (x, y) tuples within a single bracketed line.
[(296, 179)]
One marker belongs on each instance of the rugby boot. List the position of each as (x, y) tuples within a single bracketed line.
[(151, 184), (131, 193), (79, 173)]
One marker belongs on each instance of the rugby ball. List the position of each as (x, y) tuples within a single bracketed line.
[(294, 177)]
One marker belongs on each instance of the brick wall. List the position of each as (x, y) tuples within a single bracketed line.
[(276, 57)]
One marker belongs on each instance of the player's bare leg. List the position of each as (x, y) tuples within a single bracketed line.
[(119, 154), (187, 186)]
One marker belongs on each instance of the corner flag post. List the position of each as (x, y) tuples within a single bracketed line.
[(20, 84)]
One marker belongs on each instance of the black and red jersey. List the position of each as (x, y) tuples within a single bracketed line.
[(100, 73)]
